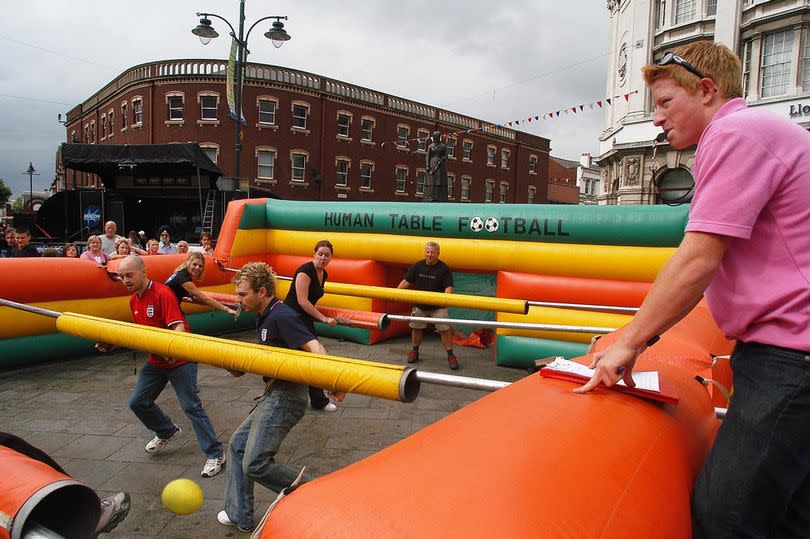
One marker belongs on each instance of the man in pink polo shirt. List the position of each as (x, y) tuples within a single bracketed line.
[(747, 245)]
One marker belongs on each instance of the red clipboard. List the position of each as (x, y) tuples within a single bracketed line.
[(668, 393)]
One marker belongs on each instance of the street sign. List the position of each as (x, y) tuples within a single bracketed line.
[(226, 183)]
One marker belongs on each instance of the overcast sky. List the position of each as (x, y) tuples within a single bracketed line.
[(498, 61)]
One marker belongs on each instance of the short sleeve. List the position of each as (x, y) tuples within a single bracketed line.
[(171, 308), (410, 275)]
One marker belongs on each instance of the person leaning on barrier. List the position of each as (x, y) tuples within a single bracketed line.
[(181, 282), (747, 245), (430, 275)]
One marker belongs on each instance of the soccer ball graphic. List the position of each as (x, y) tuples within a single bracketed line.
[(491, 224), (476, 224)]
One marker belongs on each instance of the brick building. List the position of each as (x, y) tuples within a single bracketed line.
[(309, 137), (562, 181)]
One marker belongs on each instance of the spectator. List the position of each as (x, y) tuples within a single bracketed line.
[(142, 239), (51, 252), (154, 305), (152, 247), (431, 275), (110, 238), (206, 239), (135, 240), (5, 247), (182, 283), (94, 251), (166, 246), (70, 250), (182, 247), (23, 248), (122, 249)]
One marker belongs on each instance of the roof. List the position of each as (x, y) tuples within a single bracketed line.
[(567, 163), (111, 160)]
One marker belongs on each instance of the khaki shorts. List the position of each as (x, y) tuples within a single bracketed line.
[(441, 312)]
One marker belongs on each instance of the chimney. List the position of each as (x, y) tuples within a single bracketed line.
[(585, 159)]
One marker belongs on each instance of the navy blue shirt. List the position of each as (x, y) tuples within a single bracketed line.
[(280, 326)]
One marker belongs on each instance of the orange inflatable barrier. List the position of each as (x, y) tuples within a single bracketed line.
[(562, 289), (32, 493), (605, 464)]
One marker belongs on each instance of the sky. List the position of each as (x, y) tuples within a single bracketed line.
[(497, 61)]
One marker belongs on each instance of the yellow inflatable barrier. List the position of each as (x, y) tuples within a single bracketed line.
[(564, 317)]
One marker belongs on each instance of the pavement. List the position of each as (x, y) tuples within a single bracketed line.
[(76, 410)]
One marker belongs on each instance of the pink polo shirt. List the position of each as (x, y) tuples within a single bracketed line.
[(752, 175)]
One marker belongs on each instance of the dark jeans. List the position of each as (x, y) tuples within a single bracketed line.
[(756, 479)]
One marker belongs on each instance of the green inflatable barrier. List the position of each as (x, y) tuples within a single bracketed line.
[(659, 226), (520, 352)]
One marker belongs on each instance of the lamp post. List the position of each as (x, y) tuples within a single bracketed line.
[(31, 173), (206, 33)]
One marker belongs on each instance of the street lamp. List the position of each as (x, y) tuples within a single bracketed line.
[(31, 173), (206, 33)]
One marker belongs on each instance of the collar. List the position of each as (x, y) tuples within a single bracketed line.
[(729, 107), (148, 287), (260, 319)]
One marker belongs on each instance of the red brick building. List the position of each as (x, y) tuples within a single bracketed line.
[(562, 181), (309, 137)]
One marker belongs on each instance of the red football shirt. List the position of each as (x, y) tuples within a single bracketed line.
[(157, 307)]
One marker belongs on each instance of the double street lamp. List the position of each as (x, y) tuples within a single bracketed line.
[(277, 35)]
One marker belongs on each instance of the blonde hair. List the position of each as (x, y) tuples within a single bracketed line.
[(433, 244), (257, 275), (187, 264), (91, 239), (714, 60)]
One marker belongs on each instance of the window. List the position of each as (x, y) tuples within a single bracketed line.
[(266, 158), (662, 13), (806, 63), (343, 122), (299, 165), (112, 121), (466, 151), (746, 67), (87, 132), (137, 112), (175, 107), (532, 164), (504, 158), (93, 131), (451, 147), (124, 109), (367, 129), (402, 177), (776, 52), (504, 192), (420, 182), (424, 136), (465, 188), (685, 10), (103, 126), (711, 7), (402, 136), (491, 150), (532, 192), (211, 150), (451, 179), (208, 105), (490, 187), (366, 172), (267, 112), (342, 171), (300, 113)]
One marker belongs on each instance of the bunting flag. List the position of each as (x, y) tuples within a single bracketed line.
[(601, 103)]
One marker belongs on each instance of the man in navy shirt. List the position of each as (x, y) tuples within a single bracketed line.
[(254, 444)]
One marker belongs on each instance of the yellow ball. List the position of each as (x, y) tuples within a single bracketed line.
[(182, 496)]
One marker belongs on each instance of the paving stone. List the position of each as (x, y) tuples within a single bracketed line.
[(144, 477), (91, 446), (92, 472)]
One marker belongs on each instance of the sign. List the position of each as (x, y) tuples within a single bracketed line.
[(91, 217), (229, 184), (799, 110)]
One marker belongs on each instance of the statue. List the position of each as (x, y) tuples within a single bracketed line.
[(436, 177)]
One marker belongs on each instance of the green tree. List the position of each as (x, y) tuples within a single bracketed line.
[(5, 192), (18, 205)]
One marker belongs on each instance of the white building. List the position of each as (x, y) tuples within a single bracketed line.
[(588, 180), (771, 36)]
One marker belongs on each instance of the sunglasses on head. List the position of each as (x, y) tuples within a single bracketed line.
[(672, 58)]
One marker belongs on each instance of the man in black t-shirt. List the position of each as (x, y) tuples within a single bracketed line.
[(430, 275), (24, 249)]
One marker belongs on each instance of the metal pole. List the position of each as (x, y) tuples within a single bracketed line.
[(584, 307), (239, 70), (460, 381), (511, 325), (30, 309)]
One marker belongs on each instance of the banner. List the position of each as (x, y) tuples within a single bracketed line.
[(230, 81)]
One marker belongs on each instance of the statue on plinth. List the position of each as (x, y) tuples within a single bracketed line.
[(436, 177)]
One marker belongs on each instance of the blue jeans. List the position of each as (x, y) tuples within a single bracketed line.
[(253, 447), (151, 382), (756, 480)]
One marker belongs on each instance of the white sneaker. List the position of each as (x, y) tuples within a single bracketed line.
[(157, 443), (222, 518), (213, 466), (331, 407)]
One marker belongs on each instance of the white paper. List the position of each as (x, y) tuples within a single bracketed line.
[(644, 380)]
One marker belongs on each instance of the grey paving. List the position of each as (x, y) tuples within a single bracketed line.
[(77, 411)]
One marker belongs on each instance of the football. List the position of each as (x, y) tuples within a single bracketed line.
[(491, 224), (476, 224)]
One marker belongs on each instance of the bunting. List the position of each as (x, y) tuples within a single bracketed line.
[(574, 109)]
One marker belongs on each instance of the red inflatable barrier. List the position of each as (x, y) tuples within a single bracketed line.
[(559, 289), (32, 492)]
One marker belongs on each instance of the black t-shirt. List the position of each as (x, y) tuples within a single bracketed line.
[(176, 281), (26, 252), (435, 278), (280, 326), (315, 291)]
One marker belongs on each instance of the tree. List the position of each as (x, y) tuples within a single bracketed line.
[(18, 205), (5, 192)]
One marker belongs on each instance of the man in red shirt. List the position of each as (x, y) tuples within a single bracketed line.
[(154, 304)]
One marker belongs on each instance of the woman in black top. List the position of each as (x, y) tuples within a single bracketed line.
[(305, 290), (182, 283)]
